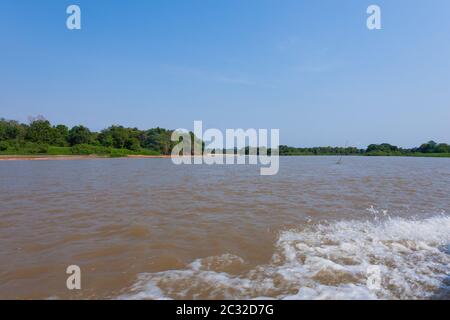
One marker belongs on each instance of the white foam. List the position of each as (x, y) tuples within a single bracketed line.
[(326, 261)]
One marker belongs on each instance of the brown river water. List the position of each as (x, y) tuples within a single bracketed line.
[(148, 229)]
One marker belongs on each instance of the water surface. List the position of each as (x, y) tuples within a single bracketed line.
[(145, 228)]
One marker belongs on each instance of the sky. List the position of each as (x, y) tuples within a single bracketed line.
[(309, 68)]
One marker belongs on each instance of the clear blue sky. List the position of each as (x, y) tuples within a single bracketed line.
[(310, 68)]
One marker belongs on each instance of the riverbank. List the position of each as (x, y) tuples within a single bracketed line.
[(407, 155), (44, 157), (71, 157)]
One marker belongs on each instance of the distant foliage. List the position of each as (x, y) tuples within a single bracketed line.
[(433, 147), (116, 140), (87, 149), (79, 135), (40, 131), (285, 150), (4, 145), (40, 137), (384, 147)]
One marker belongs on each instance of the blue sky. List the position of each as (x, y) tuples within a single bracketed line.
[(310, 68)]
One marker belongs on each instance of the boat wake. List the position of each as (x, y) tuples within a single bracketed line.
[(411, 260)]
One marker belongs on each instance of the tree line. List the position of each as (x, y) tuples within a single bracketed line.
[(384, 149), (41, 137)]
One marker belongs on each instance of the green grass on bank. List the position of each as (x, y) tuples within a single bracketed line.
[(30, 149), (407, 154), (430, 155), (372, 154)]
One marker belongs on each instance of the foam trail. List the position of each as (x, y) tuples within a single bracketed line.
[(326, 261)]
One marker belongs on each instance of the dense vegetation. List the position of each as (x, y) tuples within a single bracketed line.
[(40, 137), (430, 148), (285, 150)]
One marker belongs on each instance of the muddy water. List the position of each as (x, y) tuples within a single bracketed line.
[(147, 229)]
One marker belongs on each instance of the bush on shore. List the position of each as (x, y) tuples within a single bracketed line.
[(4, 145)]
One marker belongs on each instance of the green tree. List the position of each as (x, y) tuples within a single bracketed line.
[(12, 130), (158, 139), (442, 148), (60, 135), (428, 147), (105, 138), (114, 136), (40, 131), (4, 145), (79, 135), (384, 147), (133, 144)]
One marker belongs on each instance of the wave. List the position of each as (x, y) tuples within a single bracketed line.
[(395, 258)]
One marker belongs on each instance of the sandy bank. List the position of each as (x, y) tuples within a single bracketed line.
[(74, 157)]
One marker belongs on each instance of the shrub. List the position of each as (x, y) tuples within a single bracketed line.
[(118, 153), (86, 149), (4, 145), (79, 135), (35, 148)]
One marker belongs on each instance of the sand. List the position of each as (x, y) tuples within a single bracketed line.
[(74, 157)]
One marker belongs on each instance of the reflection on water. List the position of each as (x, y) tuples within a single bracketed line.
[(145, 228)]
